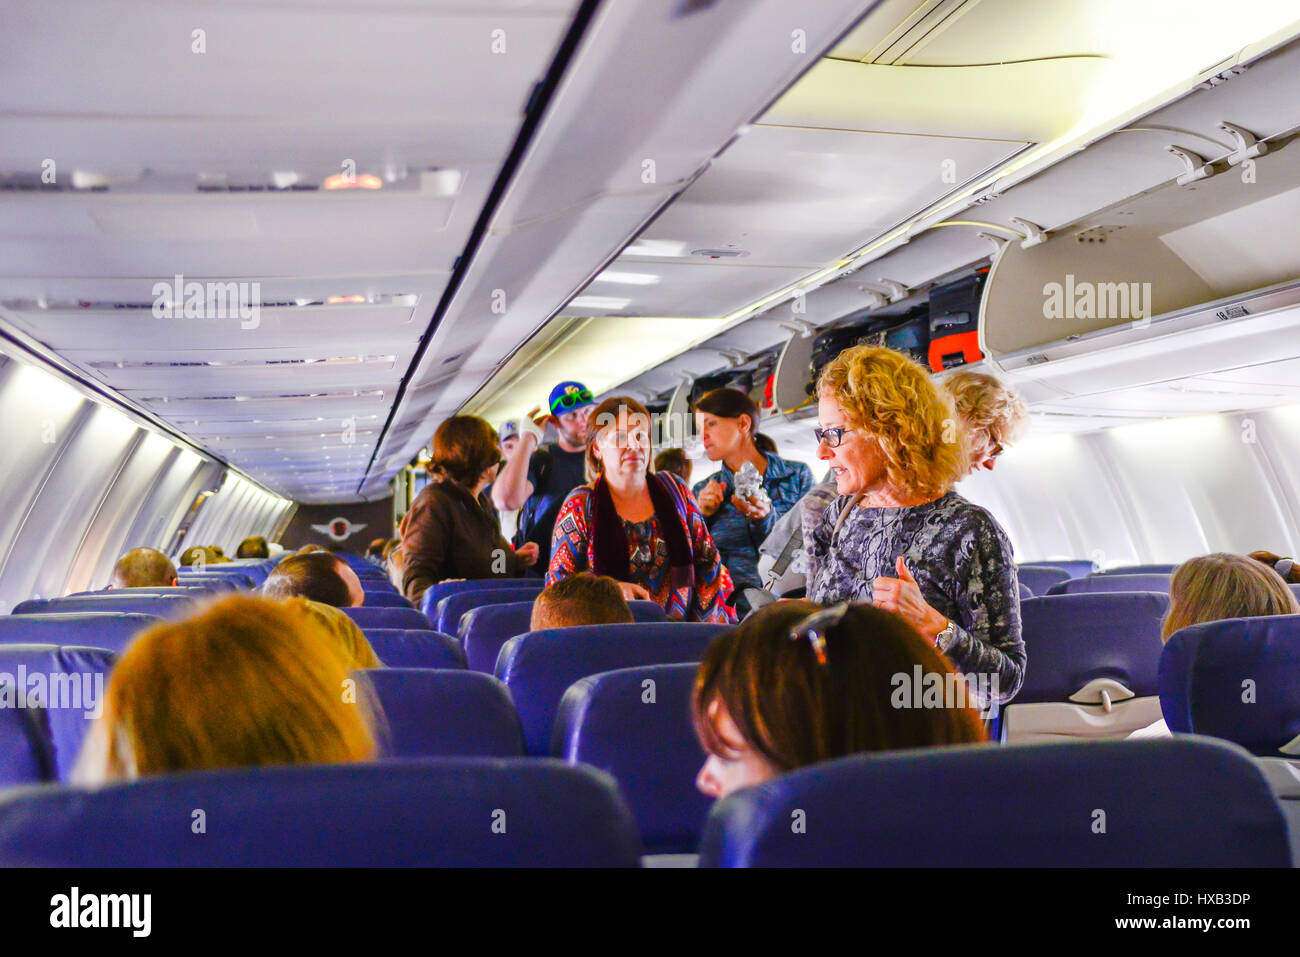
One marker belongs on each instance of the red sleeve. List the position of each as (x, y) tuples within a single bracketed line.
[(570, 538), (713, 585)]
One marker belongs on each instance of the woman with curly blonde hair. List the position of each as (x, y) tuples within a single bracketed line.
[(896, 534)]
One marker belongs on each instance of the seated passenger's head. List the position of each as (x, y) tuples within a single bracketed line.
[(348, 637), (675, 461), (253, 547), (143, 568), (1286, 567), (465, 450), (321, 576), (618, 439), (784, 690), (376, 548), (1219, 586), (994, 415), (200, 555), (888, 427), (581, 599), (245, 682), (309, 548)]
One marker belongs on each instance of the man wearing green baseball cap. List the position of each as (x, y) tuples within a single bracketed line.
[(536, 478)]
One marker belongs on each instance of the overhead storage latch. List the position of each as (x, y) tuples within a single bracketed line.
[(1248, 147), (1195, 166), (1034, 234)]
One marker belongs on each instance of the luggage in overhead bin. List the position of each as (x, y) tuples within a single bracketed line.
[(912, 336), (731, 379), (954, 322), (832, 342)]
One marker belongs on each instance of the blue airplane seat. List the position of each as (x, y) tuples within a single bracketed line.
[(431, 714), (1111, 583), (451, 610), (415, 648), (488, 627), (375, 616), (97, 629)]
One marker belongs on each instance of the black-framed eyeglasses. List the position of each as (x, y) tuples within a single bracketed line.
[(817, 626), (571, 399), (832, 437)]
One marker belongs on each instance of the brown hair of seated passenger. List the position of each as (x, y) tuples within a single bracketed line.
[(675, 461), (253, 547), (1292, 576), (581, 599), (313, 575), (245, 682), (143, 568), (796, 711), (1221, 585)]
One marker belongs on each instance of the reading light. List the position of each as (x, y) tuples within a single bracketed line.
[(357, 181)]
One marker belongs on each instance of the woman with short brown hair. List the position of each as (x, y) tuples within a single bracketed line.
[(795, 684), (448, 533)]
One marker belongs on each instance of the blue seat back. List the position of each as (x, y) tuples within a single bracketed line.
[(1096, 583), (1074, 567), (159, 606), (440, 590), (488, 627), (1237, 679), (1040, 578), (1073, 639), (384, 599), (68, 683), (26, 752), (538, 667), (446, 812), (195, 592), (1181, 802), (415, 648), (433, 714), (99, 629), (231, 581), (1025, 591), (635, 724), (451, 609), (391, 617)]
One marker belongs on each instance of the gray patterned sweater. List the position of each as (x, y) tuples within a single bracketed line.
[(961, 560)]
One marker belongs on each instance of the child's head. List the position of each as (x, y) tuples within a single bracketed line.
[(581, 599), (795, 684)]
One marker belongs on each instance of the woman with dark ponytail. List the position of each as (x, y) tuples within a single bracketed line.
[(727, 421), (641, 529)]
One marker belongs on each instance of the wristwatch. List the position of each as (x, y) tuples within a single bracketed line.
[(946, 635)]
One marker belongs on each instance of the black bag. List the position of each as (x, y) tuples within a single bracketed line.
[(527, 512)]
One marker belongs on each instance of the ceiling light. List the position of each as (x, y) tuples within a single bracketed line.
[(350, 181), (658, 249), (600, 302), (628, 278)]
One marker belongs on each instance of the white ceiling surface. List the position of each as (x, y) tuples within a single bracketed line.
[(115, 88)]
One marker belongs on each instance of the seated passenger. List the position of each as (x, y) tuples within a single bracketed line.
[(897, 535), (993, 413), (348, 637), (675, 461), (244, 683), (253, 547), (375, 550), (727, 421), (581, 599), (1215, 587), (321, 576), (795, 684), (144, 568), (448, 533), (200, 555), (309, 548), (645, 531), (1286, 567)]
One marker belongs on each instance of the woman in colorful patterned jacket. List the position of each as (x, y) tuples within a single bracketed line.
[(643, 530), (727, 421)]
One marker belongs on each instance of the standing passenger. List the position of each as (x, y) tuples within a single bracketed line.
[(727, 420), (643, 530), (536, 479)]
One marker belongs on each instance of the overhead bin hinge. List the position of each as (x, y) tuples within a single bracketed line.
[(892, 288), (875, 299), (1034, 234), (1195, 166), (735, 358), (1248, 146), (799, 326), (997, 241)]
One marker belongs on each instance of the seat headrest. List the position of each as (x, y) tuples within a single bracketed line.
[(635, 723), (431, 713), (451, 609), (384, 598), (415, 648), (380, 617), (1173, 802), (1237, 679), (539, 666), (440, 590), (1073, 639), (100, 629), (450, 812), (488, 627), (1096, 583), (160, 606)]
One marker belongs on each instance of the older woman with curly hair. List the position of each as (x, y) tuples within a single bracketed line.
[(993, 413), (896, 534)]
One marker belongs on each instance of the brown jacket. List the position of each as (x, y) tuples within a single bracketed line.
[(447, 534)]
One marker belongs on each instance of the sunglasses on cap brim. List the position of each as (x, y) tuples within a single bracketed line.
[(571, 400)]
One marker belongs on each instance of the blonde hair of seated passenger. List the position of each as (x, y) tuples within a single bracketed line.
[(1222, 585), (245, 682)]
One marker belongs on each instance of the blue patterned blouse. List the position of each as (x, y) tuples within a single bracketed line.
[(737, 537)]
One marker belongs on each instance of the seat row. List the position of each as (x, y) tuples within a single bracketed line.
[(1189, 802)]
